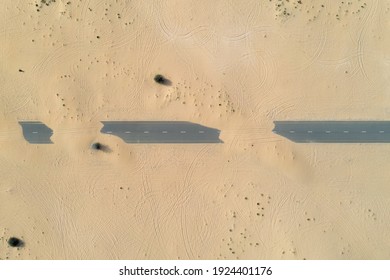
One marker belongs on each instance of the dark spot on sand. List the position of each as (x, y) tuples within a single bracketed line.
[(15, 242), (160, 79), (100, 147)]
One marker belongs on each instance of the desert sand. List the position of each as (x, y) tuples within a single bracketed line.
[(234, 65)]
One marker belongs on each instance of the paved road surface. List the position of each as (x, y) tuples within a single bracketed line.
[(36, 132), (334, 131), (161, 132)]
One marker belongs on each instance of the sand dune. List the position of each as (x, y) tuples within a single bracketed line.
[(234, 65)]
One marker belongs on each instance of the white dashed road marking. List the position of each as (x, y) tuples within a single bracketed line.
[(35, 132), (146, 131), (363, 131), (328, 131), (309, 131), (109, 132), (127, 132), (165, 131), (183, 131), (292, 131), (381, 131), (201, 131), (346, 131)]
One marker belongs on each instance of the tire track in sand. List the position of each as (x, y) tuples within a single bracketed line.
[(188, 246)]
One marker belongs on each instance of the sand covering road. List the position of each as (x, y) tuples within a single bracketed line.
[(234, 65)]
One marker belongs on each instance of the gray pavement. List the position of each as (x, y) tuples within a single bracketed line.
[(334, 131), (36, 132), (161, 132)]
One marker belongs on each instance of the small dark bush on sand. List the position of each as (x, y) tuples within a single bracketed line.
[(100, 147), (160, 79), (96, 146), (15, 242)]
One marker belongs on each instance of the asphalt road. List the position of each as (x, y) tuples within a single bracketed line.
[(36, 132), (334, 131), (161, 132)]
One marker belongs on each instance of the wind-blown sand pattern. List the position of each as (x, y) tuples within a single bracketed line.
[(234, 65)]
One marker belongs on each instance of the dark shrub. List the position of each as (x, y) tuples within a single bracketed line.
[(100, 147), (97, 146), (160, 79), (15, 242)]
